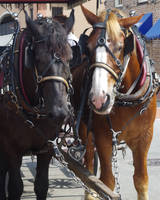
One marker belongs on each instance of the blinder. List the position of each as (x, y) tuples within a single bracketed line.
[(83, 41), (128, 44), (77, 55), (29, 56)]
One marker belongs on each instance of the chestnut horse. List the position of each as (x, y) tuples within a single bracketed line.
[(121, 94), (35, 80)]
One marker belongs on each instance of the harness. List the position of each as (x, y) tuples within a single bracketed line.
[(13, 59), (140, 92), (11, 78), (145, 84)]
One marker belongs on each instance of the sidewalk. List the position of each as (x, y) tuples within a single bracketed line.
[(62, 187), (126, 170)]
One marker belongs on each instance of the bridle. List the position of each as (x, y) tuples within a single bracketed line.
[(38, 109), (42, 78), (56, 59), (102, 43), (147, 90)]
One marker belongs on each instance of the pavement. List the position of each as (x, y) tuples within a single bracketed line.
[(63, 187)]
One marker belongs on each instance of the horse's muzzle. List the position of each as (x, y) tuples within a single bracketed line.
[(103, 107), (59, 113)]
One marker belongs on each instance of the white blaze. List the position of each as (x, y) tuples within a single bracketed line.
[(100, 80)]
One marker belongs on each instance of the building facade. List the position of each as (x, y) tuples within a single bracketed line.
[(52, 9)]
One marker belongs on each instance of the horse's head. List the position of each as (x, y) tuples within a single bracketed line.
[(51, 55), (106, 49)]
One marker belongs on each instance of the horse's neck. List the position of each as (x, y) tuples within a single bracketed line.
[(132, 72), (30, 86), (78, 74), (78, 78)]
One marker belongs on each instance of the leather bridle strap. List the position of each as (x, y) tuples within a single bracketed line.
[(41, 79), (106, 67), (56, 78)]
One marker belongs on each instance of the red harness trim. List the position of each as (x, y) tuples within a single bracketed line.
[(140, 55)]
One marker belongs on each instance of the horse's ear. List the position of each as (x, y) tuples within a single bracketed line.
[(31, 25), (90, 17), (129, 21), (69, 22)]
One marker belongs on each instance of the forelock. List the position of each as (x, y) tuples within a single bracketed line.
[(112, 25)]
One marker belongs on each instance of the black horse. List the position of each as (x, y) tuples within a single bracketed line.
[(35, 71)]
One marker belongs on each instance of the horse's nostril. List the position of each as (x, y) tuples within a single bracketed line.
[(58, 113), (100, 104), (99, 100), (107, 102)]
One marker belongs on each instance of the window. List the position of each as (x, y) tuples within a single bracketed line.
[(118, 3), (142, 1), (57, 11)]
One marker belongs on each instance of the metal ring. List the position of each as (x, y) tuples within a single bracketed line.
[(101, 41)]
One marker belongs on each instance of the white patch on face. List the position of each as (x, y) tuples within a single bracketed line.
[(101, 87)]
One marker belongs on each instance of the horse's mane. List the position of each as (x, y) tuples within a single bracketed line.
[(113, 27), (55, 35)]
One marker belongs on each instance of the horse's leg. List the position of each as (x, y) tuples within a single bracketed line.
[(103, 143), (87, 139), (15, 183), (3, 173), (104, 147), (41, 180), (140, 151)]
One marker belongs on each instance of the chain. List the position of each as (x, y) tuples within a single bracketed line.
[(71, 174), (115, 161)]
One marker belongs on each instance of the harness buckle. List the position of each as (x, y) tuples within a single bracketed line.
[(30, 123), (118, 63), (39, 79), (101, 41), (57, 57)]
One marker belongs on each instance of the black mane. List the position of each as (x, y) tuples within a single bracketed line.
[(54, 34)]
